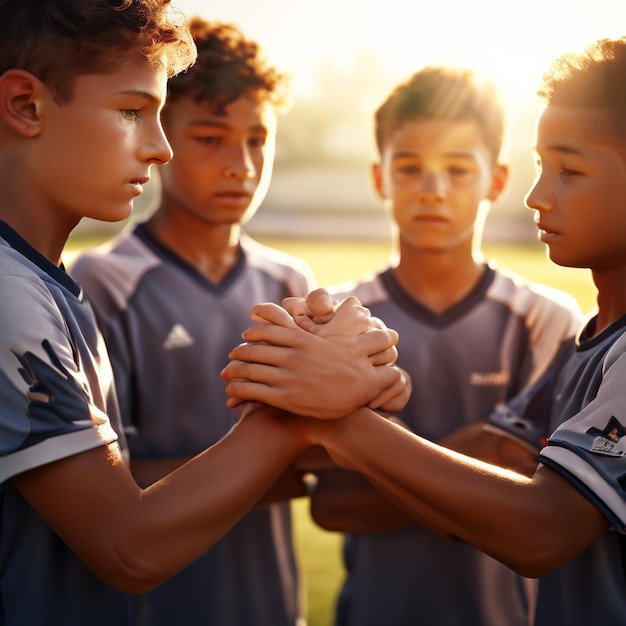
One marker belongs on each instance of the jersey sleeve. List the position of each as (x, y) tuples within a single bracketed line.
[(526, 417), (589, 449), (46, 411)]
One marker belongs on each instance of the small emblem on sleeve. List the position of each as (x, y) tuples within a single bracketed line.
[(609, 441)]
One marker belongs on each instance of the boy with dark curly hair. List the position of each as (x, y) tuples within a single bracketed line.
[(172, 297)]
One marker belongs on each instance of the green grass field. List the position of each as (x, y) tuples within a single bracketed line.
[(338, 260)]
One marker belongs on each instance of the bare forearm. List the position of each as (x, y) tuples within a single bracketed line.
[(148, 470), (144, 537), (347, 502), (478, 442), (510, 516), (289, 485), (230, 477)]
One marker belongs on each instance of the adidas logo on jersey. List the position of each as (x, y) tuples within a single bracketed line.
[(178, 337)]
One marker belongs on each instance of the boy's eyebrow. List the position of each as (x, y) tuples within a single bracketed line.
[(456, 154), (213, 123), (562, 148), (153, 97)]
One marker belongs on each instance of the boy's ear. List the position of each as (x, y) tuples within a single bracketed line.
[(20, 94), (499, 179), (377, 180)]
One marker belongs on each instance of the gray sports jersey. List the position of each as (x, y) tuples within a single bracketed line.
[(463, 362), (169, 332), (48, 332), (588, 449)]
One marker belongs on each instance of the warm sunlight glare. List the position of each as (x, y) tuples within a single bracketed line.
[(511, 43)]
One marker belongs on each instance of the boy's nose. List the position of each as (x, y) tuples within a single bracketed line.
[(537, 197), (432, 185), (158, 150), (240, 164)]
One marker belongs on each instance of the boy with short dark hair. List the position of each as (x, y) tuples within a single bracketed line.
[(472, 336), (172, 297), (565, 523), (82, 83)]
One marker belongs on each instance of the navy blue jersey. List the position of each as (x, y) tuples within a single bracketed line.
[(169, 331), (481, 352), (41, 580), (588, 449)]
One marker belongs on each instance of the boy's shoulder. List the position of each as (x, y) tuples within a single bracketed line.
[(545, 310), (523, 293), (113, 269), (20, 263)]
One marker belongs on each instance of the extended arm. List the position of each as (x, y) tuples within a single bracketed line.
[(525, 522), (148, 470), (135, 539), (346, 501)]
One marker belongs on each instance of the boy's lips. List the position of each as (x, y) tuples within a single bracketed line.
[(430, 218), (138, 183), (545, 230), (234, 197)]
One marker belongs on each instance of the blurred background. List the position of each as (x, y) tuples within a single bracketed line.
[(344, 56)]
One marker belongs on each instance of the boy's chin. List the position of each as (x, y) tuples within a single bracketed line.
[(112, 215)]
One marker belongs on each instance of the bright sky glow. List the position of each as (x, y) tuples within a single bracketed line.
[(511, 43)]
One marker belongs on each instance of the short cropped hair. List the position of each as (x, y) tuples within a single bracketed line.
[(593, 79), (228, 67), (444, 93), (59, 40)]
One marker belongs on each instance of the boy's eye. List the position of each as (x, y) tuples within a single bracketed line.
[(456, 170), (256, 142), (209, 140), (131, 114), (569, 173), (409, 169)]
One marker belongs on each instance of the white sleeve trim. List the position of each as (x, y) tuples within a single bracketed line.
[(55, 449)]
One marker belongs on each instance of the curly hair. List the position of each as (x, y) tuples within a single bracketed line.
[(58, 40), (446, 93), (228, 67), (593, 79)]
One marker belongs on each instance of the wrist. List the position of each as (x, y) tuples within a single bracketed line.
[(292, 430)]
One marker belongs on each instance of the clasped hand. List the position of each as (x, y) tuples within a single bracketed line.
[(317, 358)]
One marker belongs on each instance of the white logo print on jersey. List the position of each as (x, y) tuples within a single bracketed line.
[(489, 379), (178, 337)]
